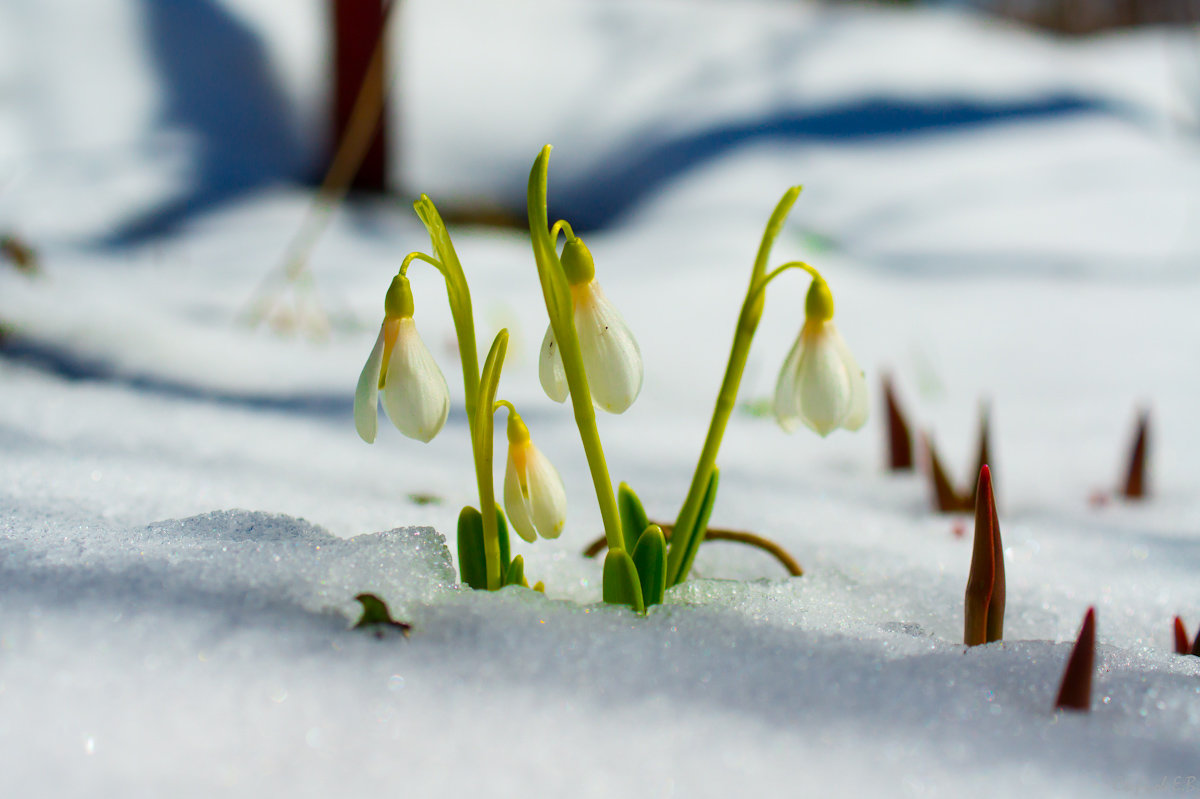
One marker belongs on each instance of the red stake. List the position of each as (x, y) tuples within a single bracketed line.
[(358, 29), (900, 455), (1182, 645), (1135, 478), (1075, 693)]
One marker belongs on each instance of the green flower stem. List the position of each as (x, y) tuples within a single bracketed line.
[(560, 226), (460, 303), (562, 322), (481, 444), (683, 547), (774, 273), (479, 414), (420, 256)]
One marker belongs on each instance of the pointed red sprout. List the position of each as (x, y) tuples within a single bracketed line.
[(984, 600), (984, 457), (945, 498), (1075, 693), (995, 615), (900, 454), (1182, 645), (1135, 479)]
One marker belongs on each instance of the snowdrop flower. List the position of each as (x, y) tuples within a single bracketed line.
[(402, 372), (533, 492), (611, 358), (820, 383)]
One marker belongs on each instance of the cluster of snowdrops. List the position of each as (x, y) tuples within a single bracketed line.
[(590, 356)]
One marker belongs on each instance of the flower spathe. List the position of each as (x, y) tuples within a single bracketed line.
[(820, 383), (402, 372), (611, 358), (534, 496)]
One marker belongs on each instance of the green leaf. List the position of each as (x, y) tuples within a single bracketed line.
[(375, 612), (482, 440), (502, 534), (459, 295), (472, 565), (545, 254), (650, 560), (621, 584), (706, 506), (633, 516), (515, 574), (695, 535)]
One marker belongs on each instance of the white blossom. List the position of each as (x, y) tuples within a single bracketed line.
[(820, 383), (533, 492), (611, 358), (413, 389)]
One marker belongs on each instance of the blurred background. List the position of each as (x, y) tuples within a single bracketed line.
[(122, 119)]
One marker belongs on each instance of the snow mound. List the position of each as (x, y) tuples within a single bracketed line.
[(240, 564)]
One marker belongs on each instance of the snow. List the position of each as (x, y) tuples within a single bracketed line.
[(186, 512)]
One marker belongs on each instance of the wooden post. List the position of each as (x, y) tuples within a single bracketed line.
[(357, 28)]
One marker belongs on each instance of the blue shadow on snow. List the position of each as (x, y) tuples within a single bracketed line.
[(597, 199), (219, 89)]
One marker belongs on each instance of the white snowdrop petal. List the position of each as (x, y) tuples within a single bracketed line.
[(415, 394), (786, 411), (856, 416), (366, 395), (550, 369), (611, 357), (822, 385), (546, 493), (515, 503)]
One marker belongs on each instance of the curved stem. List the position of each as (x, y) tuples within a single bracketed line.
[(559, 227), (776, 272), (683, 548), (562, 320), (716, 534), (420, 256)]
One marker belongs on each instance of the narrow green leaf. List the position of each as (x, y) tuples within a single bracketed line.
[(489, 381), (545, 254), (502, 534), (706, 505), (650, 559), (482, 440), (695, 535), (633, 516), (472, 565), (515, 574), (459, 295), (621, 585)]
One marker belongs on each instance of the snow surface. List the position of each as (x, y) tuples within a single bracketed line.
[(186, 512)]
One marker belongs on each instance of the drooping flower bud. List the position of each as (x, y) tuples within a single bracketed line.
[(611, 358), (533, 492), (402, 372), (820, 383)]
